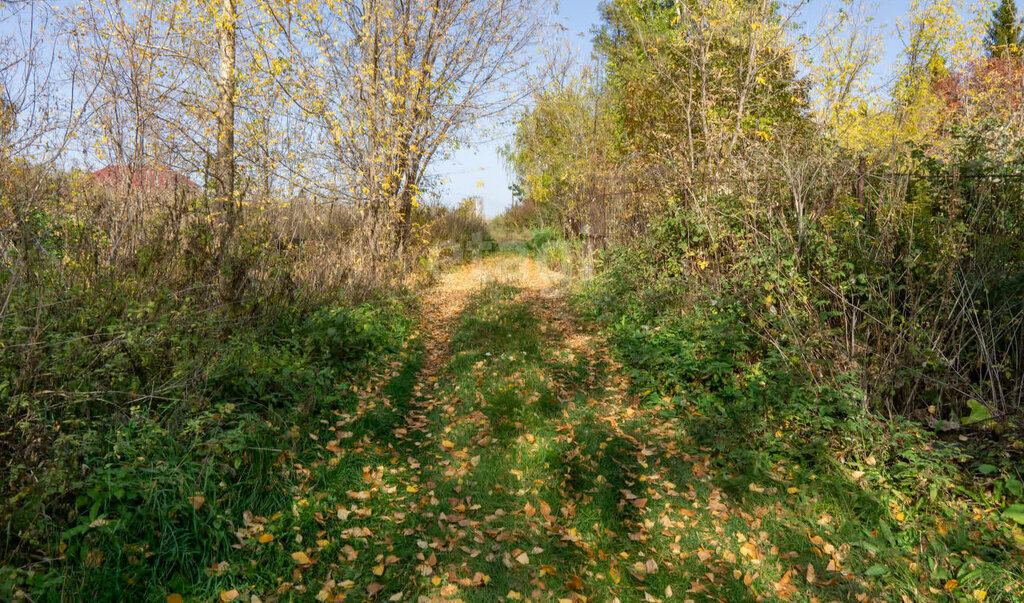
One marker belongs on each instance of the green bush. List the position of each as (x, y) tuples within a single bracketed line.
[(155, 420)]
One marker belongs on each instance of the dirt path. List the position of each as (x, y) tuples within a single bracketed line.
[(539, 466), (513, 462)]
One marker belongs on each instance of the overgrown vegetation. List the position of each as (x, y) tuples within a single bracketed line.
[(151, 401), (175, 324), (816, 276), (894, 258), (793, 366)]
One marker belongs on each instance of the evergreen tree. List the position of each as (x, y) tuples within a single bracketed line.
[(1004, 29)]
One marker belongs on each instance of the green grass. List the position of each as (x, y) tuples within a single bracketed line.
[(133, 500), (533, 467)]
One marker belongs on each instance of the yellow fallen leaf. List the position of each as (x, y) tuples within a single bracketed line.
[(979, 595), (378, 570), (748, 550), (266, 537), (514, 595), (412, 489), (229, 595), (301, 558)]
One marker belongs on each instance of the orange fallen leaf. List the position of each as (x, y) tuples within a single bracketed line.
[(228, 595)]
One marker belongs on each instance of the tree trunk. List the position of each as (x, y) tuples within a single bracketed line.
[(224, 163)]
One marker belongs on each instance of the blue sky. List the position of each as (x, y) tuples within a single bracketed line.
[(480, 165)]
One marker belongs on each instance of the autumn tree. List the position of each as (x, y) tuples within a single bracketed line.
[(393, 85), (697, 79), (565, 154)]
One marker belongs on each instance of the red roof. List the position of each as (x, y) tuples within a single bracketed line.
[(148, 177)]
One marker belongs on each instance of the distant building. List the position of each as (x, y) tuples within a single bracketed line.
[(152, 179)]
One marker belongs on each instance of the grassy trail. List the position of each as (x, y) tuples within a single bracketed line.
[(509, 462)]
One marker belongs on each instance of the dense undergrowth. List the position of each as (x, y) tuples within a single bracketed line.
[(948, 506), (156, 376), (156, 424)]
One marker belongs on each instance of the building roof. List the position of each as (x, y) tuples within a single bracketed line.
[(147, 177)]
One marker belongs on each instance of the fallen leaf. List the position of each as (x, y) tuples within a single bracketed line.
[(301, 558), (229, 595)]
